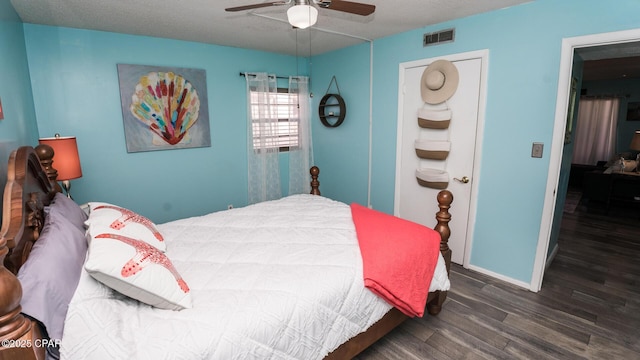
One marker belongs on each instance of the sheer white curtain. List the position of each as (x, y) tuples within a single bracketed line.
[(263, 159), (595, 138), (300, 156)]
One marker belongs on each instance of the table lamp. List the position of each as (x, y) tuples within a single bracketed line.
[(65, 159), (635, 141)]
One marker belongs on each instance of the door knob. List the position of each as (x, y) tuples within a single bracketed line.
[(464, 180)]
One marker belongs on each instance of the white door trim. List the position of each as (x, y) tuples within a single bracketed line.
[(557, 143), (479, 54)]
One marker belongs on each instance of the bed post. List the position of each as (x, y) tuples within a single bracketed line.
[(315, 184), (445, 198), (17, 333), (45, 154), (25, 194)]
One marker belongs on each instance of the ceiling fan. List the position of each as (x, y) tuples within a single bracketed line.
[(303, 15)]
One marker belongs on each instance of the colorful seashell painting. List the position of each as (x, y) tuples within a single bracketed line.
[(163, 108), (167, 103)]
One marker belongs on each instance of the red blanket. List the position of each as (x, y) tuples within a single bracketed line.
[(399, 258)]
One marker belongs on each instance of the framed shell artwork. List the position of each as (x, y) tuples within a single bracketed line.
[(163, 107)]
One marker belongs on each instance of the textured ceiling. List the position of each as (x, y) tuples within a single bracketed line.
[(267, 29), (262, 29)]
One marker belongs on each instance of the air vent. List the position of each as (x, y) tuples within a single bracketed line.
[(438, 37)]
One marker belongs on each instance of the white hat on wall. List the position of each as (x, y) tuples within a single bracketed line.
[(439, 82)]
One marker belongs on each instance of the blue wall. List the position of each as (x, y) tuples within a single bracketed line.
[(19, 126), (342, 153), (75, 92), (524, 44)]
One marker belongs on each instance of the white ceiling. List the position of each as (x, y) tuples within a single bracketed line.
[(265, 29)]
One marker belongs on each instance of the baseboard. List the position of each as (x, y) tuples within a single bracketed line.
[(500, 277)]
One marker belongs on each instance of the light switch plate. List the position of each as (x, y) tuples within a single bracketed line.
[(536, 150)]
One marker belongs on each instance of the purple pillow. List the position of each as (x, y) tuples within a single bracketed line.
[(62, 205), (50, 276)]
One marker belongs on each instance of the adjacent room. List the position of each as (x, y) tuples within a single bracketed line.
[(607, 141)]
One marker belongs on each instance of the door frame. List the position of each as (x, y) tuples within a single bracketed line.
[(569, 45), (483, 55)]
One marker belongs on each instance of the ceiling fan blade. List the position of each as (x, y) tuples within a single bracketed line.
[(350, 7), (256, 6)]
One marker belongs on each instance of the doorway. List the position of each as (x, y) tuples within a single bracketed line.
[(569, 46)]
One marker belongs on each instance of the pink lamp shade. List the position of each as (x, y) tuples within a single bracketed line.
[(65, 156), (635, 142)]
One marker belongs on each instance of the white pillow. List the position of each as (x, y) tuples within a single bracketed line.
[(138, 270), (108, 218)]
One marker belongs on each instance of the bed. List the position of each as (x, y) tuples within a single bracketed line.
[(283, 304)]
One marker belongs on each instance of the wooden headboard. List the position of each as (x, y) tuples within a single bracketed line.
[(28, 190)]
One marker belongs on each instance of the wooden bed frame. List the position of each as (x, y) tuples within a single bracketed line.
[(31, 185)]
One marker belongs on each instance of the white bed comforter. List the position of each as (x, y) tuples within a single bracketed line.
[(262, 288)]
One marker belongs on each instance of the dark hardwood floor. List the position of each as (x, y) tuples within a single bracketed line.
[(588, 308)]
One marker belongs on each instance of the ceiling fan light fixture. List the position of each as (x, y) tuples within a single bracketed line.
[(302, 16)]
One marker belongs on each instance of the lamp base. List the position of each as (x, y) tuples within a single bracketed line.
[(66, 185)]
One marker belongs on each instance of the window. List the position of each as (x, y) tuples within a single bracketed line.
[(282, 131)]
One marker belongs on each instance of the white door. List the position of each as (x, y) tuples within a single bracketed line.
[(415, 202)]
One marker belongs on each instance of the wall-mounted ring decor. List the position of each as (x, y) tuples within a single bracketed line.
[(332, 109)]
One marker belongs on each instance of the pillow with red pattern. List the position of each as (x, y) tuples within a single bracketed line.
[(108, 218), (138, 270)]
